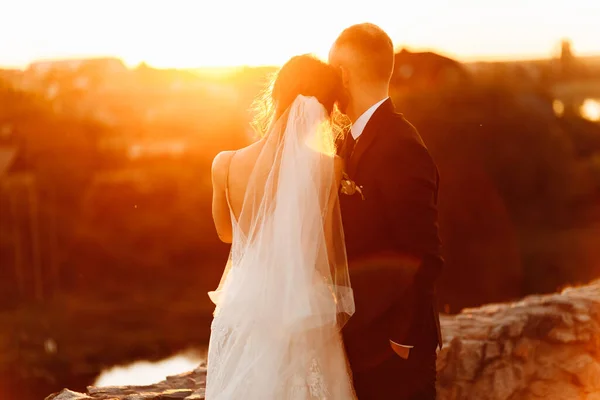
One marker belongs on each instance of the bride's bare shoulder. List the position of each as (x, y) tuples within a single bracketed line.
[(222, 161), (220, 166)]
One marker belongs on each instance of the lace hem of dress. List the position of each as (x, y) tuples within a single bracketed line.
[(305, 385), (310, 386)]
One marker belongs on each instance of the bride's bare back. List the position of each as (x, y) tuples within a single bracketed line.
[(230, 176)]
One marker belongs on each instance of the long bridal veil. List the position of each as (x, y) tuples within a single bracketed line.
[(285, 292)]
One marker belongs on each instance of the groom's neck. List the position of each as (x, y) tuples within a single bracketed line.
[(365, 98)]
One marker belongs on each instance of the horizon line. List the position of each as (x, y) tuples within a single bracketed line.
[(462, 59)]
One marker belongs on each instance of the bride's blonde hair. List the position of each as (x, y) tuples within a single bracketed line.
[(301, 75)]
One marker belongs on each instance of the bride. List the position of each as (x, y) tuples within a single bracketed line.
[(285, 292)]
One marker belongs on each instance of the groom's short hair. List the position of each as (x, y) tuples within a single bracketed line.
[(373, 48)]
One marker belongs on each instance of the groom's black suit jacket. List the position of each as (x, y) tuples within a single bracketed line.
[(392, 240)]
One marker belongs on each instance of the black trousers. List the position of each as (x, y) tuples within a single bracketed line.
[(400, 379)]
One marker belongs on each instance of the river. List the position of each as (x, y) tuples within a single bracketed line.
[(147, 373)]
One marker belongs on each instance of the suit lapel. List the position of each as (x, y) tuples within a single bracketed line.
[(369, 134), (344, 148)]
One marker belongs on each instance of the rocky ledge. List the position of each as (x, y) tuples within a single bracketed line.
[(542, 347), (188, 386)]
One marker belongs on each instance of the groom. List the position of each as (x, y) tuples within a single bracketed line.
[(391, 229)]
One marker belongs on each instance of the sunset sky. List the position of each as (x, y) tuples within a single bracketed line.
[(192, 33)]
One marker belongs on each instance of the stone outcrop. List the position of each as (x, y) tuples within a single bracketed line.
[(189, 386), (543, 347)]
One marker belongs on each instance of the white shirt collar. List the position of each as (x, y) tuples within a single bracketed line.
[(359, 125)]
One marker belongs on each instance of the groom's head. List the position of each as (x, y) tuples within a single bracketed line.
[(364, 54)]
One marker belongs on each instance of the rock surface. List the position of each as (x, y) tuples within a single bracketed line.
[(189, 386), (543, 347)]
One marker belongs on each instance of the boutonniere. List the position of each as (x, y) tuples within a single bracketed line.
[(349, 187)]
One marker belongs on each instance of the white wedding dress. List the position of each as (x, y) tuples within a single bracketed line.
[(285, 292)]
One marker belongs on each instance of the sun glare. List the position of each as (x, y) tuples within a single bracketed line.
[(591, 109), (191, 33)]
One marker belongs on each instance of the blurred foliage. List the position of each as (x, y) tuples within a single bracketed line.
[(520, 191)]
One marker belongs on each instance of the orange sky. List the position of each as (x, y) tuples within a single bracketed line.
[(192, 33)]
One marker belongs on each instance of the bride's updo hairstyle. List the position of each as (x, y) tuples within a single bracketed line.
[(301, 75)]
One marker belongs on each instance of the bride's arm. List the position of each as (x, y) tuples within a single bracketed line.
[(220, 208)]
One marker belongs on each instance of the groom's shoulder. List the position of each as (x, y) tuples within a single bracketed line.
[(403, 131), (403, 141)]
